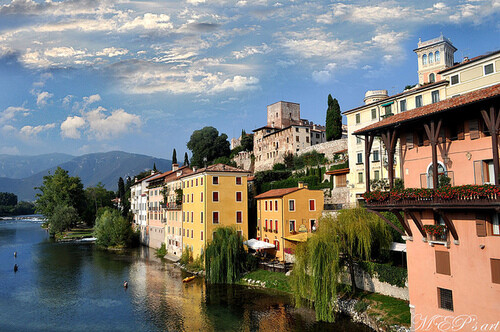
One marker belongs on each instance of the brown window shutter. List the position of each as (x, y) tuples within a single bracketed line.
[(443, 262), (481, 228), (495, 270), (460, 130), (478, 175), (474, 129)]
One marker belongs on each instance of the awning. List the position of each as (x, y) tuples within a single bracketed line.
[(395, 246), (387, 104), (256, 244), (301, 237)]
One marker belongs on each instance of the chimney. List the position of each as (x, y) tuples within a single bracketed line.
[(175, 167), (194, 169), (301, 184), (466, 58)]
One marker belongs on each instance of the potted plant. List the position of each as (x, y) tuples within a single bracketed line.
[(435, 232)]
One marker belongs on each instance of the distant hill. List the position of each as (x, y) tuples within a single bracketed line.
[(93, 168), (18, 167)]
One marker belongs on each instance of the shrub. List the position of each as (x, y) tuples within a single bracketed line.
[(187, 256), (279, 167), (162, 251), (113, 230), (393, 275), (361, 306), (62, 219)]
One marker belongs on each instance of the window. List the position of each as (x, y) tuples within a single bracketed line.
[(424, 59), (201, 181), (265, 228), (192, 234), (297, 138), (431, 58), (312, 205), (276, 205), (215, 196), (402, 105), (277, 244), (215, 217), (376, 156), (496, 225), (488, 69), (291, 205), (192, 216), (312, 222), (270, 225), (297, 130), (418, 101), (438, 56), (201, 235), (197, 182), (238, 180), (495, 270), (215, 180), (292, 225), (265, 204), (435, 96), (192, 183), (454, 79), (374, 113), (359, 157), (432, 78), (388, 109), (443, 262), (192, 198), (201, 217), (239, 217), (360, 177), (238, 196), (445, 299), (276, 226), (358, 118), (201, 197), (358, 140), (307, 139), (270, 205), (187, 184), (376, 175)]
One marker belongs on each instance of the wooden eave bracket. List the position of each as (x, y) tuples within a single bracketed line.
[(403, 222), (449, 224), (387, 221), (417, 222)]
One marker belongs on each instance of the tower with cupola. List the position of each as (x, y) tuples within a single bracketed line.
[(433, 56)]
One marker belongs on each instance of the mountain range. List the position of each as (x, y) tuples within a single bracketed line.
[(20, 174)]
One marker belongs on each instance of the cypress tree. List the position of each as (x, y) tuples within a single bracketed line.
[(333, 120), (186, 159), (121, 188), (174, 157), (154, 168), (329, 119)]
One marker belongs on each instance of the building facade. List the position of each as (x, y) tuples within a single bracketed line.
[(139, 205), (284, 213), (450, 158)]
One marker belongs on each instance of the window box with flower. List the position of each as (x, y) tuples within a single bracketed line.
[(436, 234)]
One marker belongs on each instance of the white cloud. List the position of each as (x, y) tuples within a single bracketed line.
[(251, 50), (112, 52), (322, 76), (237, 83), (30, 131), (114, 125), (91, 99), (43, 97), (11, 112), (149, 21), (70, 127)]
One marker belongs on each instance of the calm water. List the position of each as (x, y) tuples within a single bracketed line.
[(75, 287)]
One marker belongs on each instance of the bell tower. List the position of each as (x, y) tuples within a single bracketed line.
[(433, 56)]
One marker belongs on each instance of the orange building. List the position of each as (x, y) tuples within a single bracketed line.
[(452, 232), (282, 214)]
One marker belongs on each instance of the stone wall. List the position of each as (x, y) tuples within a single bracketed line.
[(244, 160), (336, 196), (328, 148)]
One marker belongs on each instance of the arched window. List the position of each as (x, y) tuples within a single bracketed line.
[(438, 56), (441, 171), (424, 59), (431, 58), (432, 78)]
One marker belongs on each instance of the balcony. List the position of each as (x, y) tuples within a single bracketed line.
[(172, 206), (462, 197)]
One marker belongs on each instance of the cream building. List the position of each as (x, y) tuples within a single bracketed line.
[(439, 77)]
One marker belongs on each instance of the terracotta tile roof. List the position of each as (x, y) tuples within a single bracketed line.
[(463, 63), (173, 174), (278, 192), (218, 168), (444, 105), (338, 171)]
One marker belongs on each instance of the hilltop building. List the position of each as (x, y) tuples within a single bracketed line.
[(439, 78)]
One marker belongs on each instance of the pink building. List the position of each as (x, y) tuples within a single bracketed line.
[(452, 233)]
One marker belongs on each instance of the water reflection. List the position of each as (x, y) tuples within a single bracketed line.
[(75, 287)]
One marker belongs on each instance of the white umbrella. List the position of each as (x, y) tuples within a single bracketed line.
[(256, 244)]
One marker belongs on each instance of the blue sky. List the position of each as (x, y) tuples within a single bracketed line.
[(83, 76)]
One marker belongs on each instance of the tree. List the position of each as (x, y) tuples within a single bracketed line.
[(154, 168), (121, 188), (62, 219), (206, 143), (225, 257), (288, 160), (60, 189), (8, 199), (186, 159), (339, 241), (96, 197), (113, 230), (174, 157), (247, 142), (333, 120)]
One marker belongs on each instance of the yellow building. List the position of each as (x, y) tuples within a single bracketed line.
[(212, 197), (284, 214)]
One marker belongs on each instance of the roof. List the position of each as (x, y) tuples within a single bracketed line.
[(264, 127), (278, 192), (218, 168), (337, 171), (444, 105), (410, 91), (463, 63)]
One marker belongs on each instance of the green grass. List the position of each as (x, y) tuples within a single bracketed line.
[(388, 309), (273, 280), (77, 233)]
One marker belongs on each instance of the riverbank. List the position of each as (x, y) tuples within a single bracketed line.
[(379, 312)]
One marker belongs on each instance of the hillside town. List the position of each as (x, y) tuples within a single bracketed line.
[(428, 156)]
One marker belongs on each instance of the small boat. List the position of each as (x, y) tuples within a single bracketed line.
[(188, 279)]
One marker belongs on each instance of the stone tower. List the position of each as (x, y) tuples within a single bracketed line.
[(433, 56), (283, 114)]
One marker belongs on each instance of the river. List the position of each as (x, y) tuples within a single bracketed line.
[(76, 287)]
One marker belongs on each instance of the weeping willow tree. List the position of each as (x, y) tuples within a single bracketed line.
[(339, 241), (225, 257)]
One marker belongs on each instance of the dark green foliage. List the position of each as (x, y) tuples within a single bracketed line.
[(333, 120), (343, 165), (279, 167), (224, 160), (393, 275), (265, 177), (96, 198), (174, 157), (162, 251), (444, 181), (312, 158), (113, 230), (225, 257), (235, 151), (8, 199), (121, 188), (154, 168), (143, 174), (62, 219), (187, 256), (247, 142), (399, 184), (410, 86), (206, 143), (361, 306), (178, 196), (288, 160), (60, 190), (186, 159)]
